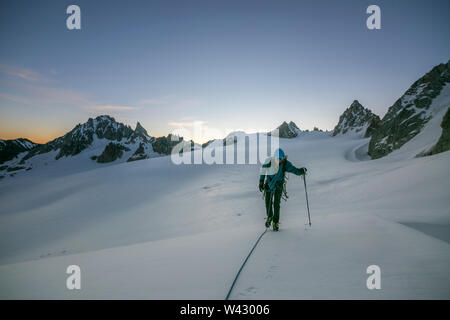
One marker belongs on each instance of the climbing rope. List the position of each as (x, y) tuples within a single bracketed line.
[(243, 264), (251, 251)]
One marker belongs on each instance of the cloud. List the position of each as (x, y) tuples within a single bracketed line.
[(22, 73), (48, 96), (14, 98)]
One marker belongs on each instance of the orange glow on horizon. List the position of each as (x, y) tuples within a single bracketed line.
[(41, 139)]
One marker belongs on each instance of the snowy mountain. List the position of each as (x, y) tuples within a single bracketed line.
[(357, 120), (286, 130), (9, 149), (428, 97), (97, 141)]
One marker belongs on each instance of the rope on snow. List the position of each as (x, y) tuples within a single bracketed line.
[(243, 264)]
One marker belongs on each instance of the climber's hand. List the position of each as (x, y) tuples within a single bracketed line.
[(261, 186)]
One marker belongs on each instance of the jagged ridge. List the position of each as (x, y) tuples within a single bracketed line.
[(357, 119), (116, 138)]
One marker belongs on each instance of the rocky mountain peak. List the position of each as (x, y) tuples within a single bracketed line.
[(9, 149), (357, 119), (286, 130), (356, 106), (140, 129)]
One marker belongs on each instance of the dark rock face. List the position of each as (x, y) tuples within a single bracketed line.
[(73, 143), (14, 168), (164, 145), (373, 126), (443, 143), (355, 119), (140, 130), (286, 130), (139, 154), (141, 133), (409, 114), (9, 149), (112, 152)]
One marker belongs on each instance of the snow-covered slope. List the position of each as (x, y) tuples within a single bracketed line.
[(424, 141), (152, 229), (408, 116), (357, 120)]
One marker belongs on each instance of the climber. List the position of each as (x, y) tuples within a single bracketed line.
[(271, 182)]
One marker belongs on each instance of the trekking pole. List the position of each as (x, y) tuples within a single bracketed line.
[(270, 205), (307, 202)]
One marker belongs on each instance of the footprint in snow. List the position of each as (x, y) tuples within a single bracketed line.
[(271, 271), (211, 186), (248, 292), (251, 290)]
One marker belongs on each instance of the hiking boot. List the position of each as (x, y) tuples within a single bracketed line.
[(268, 221), (275, 226)]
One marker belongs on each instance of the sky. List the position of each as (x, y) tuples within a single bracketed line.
[(227, 65)]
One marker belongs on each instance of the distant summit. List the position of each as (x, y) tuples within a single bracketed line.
[(101, 140), (9, 149), (357, 120), (82, 136), (286, 130)]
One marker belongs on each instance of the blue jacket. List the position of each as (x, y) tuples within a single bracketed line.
[(275, 176)]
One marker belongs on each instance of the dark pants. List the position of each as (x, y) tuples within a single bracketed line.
[(276, 199)]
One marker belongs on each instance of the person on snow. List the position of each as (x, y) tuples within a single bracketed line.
[(271, 181)]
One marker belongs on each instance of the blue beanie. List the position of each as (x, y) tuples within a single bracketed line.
[(279, 154)]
